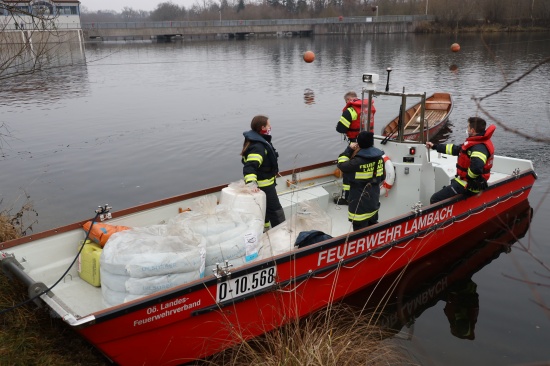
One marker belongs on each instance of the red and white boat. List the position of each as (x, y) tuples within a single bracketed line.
[(240, 301)]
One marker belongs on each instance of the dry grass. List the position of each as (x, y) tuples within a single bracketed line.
[(28, 336), (7, 230), (16, 223), (338, 336)]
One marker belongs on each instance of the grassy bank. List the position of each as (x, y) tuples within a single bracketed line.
[(29, 336)]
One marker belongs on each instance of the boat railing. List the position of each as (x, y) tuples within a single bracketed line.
[(365, 121)]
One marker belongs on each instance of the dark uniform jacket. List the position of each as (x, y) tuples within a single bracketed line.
[(259, 160), (365, 171)]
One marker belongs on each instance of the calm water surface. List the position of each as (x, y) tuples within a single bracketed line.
[(141, 122)]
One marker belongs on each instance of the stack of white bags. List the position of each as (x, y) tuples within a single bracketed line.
[(141, 261)]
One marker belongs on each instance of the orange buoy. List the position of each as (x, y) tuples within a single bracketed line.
[(309, 56), (455, 47)]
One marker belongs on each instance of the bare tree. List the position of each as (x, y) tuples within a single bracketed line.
[(27, 39), (168, 11)]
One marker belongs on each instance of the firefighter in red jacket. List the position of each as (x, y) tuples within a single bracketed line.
[(350, 125), (474, 163)]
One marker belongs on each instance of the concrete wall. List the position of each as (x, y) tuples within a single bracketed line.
[(36, 36), (364, 28), (142, 31)]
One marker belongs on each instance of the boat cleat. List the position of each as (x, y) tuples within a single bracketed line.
[(222, 270)]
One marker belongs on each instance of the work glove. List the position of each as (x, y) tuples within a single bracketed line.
[(478, 184)]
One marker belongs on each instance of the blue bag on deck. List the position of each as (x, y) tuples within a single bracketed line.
[(306, 238)]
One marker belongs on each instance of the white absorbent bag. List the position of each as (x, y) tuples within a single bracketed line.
[(242, 198), (137, 253), (149, 285), (205, 218), (243, 241), (113, 298)]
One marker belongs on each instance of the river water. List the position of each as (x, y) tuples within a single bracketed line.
[(124, 124)]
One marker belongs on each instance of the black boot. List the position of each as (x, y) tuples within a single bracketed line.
[(278, 218), (343, 199), (340, 201)]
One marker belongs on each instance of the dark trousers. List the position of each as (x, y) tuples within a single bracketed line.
[(345, 192), (274, 213), (361, 224), (448, 191)]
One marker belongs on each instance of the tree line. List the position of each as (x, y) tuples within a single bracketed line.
[(447, 12)]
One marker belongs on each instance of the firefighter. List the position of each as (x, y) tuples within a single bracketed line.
[(363, 165), (474, 163), (350, 125), (260, 167)]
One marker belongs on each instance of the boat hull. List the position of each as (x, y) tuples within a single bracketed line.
[(408, 293), (188, 323)]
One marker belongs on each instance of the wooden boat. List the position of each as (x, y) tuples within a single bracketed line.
[(438, 107), (240, 301)]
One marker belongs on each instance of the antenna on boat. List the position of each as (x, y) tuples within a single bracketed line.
[(389, 69)]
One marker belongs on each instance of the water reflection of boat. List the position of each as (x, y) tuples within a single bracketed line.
[(176, 323), (445, 275), (438, 107)]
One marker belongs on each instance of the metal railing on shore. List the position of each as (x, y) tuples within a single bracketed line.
[(265, 22), (39, 26)]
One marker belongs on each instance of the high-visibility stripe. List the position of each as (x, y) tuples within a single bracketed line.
[(353, 113), (449, 149), (343, 159), (250, 178), (266, 182), (369, 174), (471, 174), (254, 157), (345, 187), (345, 122), (361, 217), (363, 175), (461, 182), (479, 155)]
